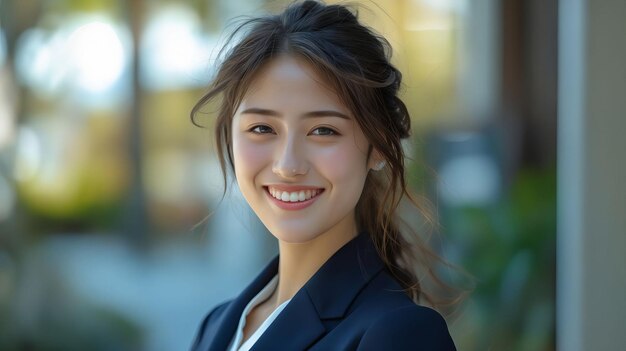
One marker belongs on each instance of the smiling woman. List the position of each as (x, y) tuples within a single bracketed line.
[(311, 124)]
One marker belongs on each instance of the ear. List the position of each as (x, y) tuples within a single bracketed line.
[(376, 162)]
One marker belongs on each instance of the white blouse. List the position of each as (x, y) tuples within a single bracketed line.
[(264, 294)]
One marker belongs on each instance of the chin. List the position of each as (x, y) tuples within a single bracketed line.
[(294, 235)]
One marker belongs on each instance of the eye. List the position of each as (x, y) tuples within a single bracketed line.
[(324, 131), (261, 129)]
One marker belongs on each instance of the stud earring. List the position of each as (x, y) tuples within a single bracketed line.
[(380, 165)]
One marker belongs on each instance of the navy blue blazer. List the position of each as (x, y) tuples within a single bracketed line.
[(351, 303)]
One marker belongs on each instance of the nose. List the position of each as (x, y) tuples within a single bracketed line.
[(290, 161)]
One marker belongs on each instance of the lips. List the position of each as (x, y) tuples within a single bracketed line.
[(293, 197), (296, 195)]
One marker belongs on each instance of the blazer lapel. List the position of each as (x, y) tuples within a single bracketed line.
[(337, 283), (327, 295), (295, 328), (229, 320)]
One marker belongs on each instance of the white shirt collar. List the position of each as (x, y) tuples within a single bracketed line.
[(262, 296)]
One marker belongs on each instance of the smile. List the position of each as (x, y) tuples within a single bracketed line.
[(293, 199), (293, 196)]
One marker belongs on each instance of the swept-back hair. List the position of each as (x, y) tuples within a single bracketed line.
[(356, 61)]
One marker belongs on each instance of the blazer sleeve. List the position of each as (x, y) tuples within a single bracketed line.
[(408, 328)]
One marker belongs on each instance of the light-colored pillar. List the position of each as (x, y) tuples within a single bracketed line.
[(591, 264)]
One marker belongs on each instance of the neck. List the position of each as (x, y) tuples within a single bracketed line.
[(300, 261)]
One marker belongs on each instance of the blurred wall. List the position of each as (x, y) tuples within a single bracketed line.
[(592, 170)]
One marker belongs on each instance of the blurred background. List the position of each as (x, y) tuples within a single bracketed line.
[(105, 184)]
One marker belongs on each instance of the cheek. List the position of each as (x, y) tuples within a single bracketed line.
[(342, 164), (249, 159)]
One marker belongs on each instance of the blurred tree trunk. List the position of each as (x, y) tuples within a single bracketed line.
[(137, 222)]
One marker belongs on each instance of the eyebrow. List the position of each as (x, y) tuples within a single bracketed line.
[(321, 113)]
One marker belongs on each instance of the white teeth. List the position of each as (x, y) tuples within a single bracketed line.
[(295, 196)]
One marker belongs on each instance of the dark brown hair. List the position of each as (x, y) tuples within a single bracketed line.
[(356, 61)]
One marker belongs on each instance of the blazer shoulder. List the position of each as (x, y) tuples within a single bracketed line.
[(408, 328)]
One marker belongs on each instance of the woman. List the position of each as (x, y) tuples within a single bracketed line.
[(310, 123)]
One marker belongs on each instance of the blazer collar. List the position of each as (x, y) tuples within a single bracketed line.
[(328, 294), (230, 320), (339, 280)]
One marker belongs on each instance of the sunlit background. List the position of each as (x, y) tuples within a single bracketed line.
[(105, 184)]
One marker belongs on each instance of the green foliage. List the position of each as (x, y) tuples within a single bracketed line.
[(510, 248)]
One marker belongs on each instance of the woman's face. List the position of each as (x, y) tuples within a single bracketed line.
[(300, 157)]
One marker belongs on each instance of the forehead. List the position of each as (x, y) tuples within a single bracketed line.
[(286, 82)]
